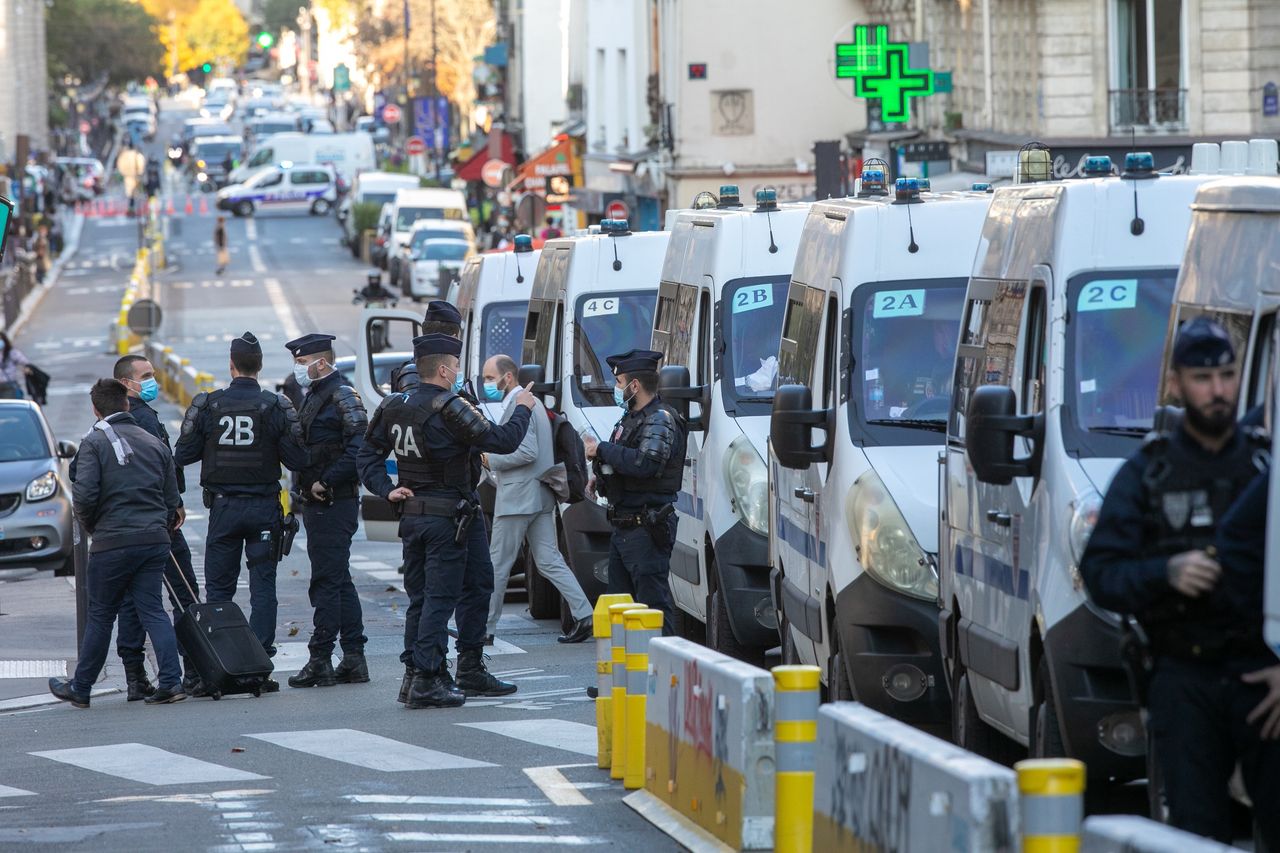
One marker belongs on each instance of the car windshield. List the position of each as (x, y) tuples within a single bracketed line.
[(406, 216), (216, 152), (607, 324), (903, 342), (750, 327), (422, 235), (211, 130), (502, 330), (21, 436), (264, 178), (442, 250), (1116, 324), (377, 198)]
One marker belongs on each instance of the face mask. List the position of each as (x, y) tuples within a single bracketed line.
[(620, 399), (148, 390), (301, 375), (491, 392), (457, 380)]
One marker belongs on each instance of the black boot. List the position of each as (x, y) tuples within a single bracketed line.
[(431, 691), (475, 680), (318, 672), (165, 696), (580, 632), (447, 677), (61, 687), (352, 669), (409, 671), (135, 679)]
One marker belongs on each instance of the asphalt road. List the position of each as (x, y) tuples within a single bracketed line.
[(327, 768)]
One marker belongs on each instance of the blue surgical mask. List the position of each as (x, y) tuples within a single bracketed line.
[(148, 390), (491, 392), (300, 374), (457, 381), (620, 400)]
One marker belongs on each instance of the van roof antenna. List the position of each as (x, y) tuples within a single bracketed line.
[(913, 246), (617, 264), (1137, 226)]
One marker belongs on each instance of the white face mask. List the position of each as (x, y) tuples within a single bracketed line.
[(301, 375)]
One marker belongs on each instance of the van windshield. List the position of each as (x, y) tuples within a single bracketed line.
[(406, 216), (502, 330), (607, 324), (903, 341), (1116, 324), (752, 321)]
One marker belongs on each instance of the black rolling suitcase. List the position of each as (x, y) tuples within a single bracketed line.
[(217, 638)]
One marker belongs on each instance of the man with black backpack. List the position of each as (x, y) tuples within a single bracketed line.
[(528, 482)]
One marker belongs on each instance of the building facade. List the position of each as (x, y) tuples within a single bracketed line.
[(24, 97)]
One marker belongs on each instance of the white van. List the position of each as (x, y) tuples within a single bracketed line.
[(347, 153), (720, 304), (867, 347), (593, 297), (370, 188), (1055, 385), (302, 187), (408, 207)]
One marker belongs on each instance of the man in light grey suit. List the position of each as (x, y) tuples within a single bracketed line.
[(524, 506)]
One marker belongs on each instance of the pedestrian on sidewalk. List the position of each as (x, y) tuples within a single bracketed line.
[(220, 243), (13, 369), (125, 496), (523, 509)]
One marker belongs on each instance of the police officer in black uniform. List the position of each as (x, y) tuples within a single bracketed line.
[(241, 435), (441, 318), (639, 470), (437, 437), (333, 424), (1152, 554)]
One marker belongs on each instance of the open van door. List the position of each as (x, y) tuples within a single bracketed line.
[(377, 326), (1271, 630)]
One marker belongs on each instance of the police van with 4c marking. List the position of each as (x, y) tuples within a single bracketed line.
[(593, 297), (1055, 385), (869, 330), (724, 287)]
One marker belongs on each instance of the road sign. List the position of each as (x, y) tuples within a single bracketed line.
[(144, 317), (416, 146), (391, 114), (85, 127), (923, 152), (617, 209), (491, 173)]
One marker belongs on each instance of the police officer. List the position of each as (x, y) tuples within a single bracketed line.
[(437, 437), (333, 423), (241, 435), (639, 470), (441, 318), (1152, 555)]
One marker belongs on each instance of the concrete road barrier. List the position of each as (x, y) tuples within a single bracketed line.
[(709, 751), (882, 785), (1129, 834)]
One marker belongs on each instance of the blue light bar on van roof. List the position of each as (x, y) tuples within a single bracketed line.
[(1097, 166), (906, 188), (729, 196), (981, 187), (523, 243), (926, 186), (872, 182), (766, 199), (1139, 162), (615, 227)]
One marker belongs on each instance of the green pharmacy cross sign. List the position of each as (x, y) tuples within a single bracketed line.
[(880, 69)]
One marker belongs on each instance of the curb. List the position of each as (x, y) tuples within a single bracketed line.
[(40, 700)]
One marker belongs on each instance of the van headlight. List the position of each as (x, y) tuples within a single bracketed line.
[(886, 547), (1084, 515), (748, 483), (42, 487)]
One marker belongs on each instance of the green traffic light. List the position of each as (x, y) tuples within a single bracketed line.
[(265, 40), (206, 68)]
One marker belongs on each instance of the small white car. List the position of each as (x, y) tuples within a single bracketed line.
[(287, 187), (429, 229), (428, 261)]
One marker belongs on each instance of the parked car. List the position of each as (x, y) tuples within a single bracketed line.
[(35, 493), (429, 229), (429, 262)]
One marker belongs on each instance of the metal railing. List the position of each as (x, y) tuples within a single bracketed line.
[(1152, 110), (16, 282)]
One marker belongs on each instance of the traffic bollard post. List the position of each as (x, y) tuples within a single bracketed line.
[(618, 687), (641, 627), (1051, 802), (601, 629), (795, 733)]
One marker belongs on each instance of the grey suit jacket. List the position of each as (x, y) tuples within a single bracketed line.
[(519, 490)]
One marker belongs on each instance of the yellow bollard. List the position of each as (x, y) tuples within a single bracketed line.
[(601, 630), (795, 732), (618, 687), (641, 627), (1051, 801)]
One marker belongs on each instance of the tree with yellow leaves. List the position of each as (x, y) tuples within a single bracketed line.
[(198, 31)]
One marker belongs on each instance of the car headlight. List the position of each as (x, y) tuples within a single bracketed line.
[(748, 483), (201, 177), (42, 487), (1084, 515), (886, 547)]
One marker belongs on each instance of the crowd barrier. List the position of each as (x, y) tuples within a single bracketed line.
[(123, 340), (1129, 834), (178, 380)]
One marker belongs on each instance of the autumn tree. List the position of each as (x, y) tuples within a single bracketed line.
[(199, 31), (84, 38)]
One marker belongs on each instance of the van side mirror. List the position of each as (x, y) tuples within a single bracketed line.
[(674, 387), (533, 373), (791, 428), (67, 449), (990, 427)]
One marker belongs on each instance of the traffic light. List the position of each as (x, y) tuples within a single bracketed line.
[(207, 67), (265, 40)]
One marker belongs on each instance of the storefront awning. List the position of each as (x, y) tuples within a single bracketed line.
[(499, 147), (552, 172)]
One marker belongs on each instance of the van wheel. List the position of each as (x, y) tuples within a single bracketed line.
[(839, 687), (719, 630), (1046, 732), (968, 731), (244, 208), (544, 598), (320, 207), (790, 657), (689, 628)]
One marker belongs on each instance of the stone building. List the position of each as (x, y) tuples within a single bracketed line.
[(24, 90)]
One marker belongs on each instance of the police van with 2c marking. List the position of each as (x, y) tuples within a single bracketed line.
[(292, 187)]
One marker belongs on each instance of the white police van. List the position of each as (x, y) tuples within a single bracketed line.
[(295, 187), (720, 303), (593, 297), (867, 348), (1056, 377)]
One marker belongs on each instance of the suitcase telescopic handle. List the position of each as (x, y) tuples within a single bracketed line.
[(185, 583)]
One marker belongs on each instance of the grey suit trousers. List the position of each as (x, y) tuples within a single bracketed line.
[(504, 546)]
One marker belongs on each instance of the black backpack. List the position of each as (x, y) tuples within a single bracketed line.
[(570, 452)]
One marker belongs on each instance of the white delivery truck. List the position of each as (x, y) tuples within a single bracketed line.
[(1056, 379), (370, 188), (866, 351), (720, 305), (348, 153), (593, 297), (409, 206)]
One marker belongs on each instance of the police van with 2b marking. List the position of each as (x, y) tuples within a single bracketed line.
[(866, 351), (1055, 385), (287, 187), (720, 304)]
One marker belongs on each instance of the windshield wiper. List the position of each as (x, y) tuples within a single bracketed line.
[(913, 423), (1121, 430)]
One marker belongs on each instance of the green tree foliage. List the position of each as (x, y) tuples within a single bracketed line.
[(87, 37)]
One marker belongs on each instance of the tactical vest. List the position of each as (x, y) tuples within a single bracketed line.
[(239, 450), (420, 466), (669, 478), (322, 455)]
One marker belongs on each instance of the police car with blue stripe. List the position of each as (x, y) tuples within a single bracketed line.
[(310, 187)]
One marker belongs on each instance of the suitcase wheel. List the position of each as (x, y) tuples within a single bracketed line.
[(217, 694), (257, 692)]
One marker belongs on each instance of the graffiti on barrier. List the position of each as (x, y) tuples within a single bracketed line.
[(697, 708), (872, 794)]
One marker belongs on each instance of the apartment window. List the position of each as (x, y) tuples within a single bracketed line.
[(1147, 60), (598, 103), (623, 107)]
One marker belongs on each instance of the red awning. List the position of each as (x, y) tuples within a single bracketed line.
[(554, 161), (499, 147)]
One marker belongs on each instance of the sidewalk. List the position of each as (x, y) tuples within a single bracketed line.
[(74, 228)]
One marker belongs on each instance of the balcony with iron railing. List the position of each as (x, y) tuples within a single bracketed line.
[(1148, 110)]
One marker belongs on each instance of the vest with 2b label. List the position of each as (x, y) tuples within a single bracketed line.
[(238, 449), (420, 464)]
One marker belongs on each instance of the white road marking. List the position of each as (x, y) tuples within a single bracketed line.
[(499, 647), (251, 229), (366, 565), (559, 790), (255, 260), (388, 575), (467, 817), (6, 791), (33, 668), (147, 764), (468, 838), (420, 800), (363, 749), (279, 304), (559, 734)]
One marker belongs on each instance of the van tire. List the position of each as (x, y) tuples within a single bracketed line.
[(839, 687), (320, 207), (1046, 731), (719, 629), (687, 627), (244, 208), (968, 731), (790, 656), (544, 598)]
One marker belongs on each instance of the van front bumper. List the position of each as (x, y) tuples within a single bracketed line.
[(742, 560)]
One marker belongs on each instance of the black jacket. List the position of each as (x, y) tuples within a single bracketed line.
[(130, 504)]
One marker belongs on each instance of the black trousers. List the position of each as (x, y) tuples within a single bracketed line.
[(444, 579), (244, 524), (333, 595), (640, 568), (130, 635), (1197, 714)]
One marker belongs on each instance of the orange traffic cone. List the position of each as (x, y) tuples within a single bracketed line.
[(189, 209), (168, 210), (85, 209), (204, 205)]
